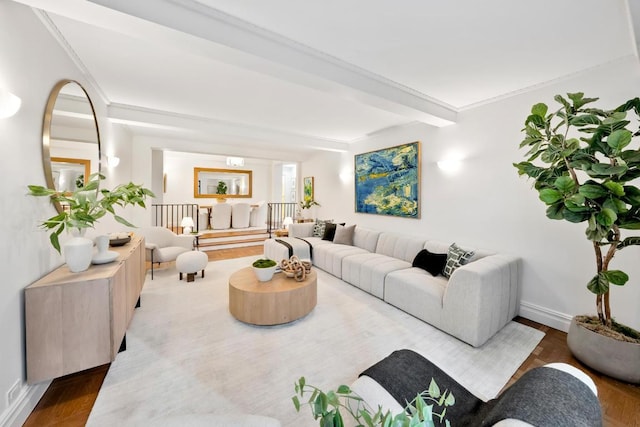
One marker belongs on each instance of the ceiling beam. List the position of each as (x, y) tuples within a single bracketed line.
[(199, 128), (337, 76)]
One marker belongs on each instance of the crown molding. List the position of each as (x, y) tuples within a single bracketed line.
[(57, 35), (547, 83)]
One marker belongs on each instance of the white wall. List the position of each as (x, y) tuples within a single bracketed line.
[(487, 205), (179, 169), (31, 62)]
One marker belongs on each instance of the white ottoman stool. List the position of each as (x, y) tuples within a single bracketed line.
[(190, 263)]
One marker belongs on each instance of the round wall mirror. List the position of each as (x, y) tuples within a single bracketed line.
[(70, 138)]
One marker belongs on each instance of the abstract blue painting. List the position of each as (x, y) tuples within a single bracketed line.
[(387, 181)]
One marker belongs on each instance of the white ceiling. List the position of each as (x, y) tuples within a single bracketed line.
[(289, 75)]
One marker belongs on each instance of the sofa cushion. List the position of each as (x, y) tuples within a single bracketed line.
[(456, 256), (368, 271), (365, 238), (416, 292), (301, 229), (429, 261), (399, 246), (329, 256), (344, 235)]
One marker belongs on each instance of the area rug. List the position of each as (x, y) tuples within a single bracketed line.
[(187, 355)]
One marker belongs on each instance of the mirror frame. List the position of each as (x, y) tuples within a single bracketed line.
[(46, 133), (86, 164), (197, 170)]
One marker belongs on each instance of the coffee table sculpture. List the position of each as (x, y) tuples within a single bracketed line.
[(280, 300)]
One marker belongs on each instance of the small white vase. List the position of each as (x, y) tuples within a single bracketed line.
[(102, 243), (77, 253)]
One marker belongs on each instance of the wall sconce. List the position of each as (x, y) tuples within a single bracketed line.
[(187, 225), (450, 166), (235, 161), (112, 161), (9, 104)]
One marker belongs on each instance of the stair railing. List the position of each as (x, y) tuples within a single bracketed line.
[(277, 212), (170, 215)]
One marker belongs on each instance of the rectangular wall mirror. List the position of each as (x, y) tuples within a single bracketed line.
[(69, 174), (221, 183)]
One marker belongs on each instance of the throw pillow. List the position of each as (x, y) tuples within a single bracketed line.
[(329, 231), (433, 263), (319, 226), (344, 235), (456, 257)]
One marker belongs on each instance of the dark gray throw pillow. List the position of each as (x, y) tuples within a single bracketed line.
[(329, 231), (433, 263)]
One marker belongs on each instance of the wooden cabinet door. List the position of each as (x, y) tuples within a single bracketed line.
[(68, 328)]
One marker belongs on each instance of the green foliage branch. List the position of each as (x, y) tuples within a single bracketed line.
[(307, 203), (582, 163), (83, 207), (327, 407)]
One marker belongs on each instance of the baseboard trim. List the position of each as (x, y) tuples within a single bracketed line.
[(16, 414), (548, 317)]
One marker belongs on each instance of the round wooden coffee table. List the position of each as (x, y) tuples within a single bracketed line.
[(280, 300)]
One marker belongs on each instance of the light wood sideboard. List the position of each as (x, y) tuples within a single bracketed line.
[(76, 321)]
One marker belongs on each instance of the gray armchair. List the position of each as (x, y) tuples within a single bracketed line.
[(163, 245)]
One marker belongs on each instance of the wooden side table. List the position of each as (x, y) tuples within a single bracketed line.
[(299, 220), (282, 232)]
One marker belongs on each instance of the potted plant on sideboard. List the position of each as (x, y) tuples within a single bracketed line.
[(81, 209), (583, 164)]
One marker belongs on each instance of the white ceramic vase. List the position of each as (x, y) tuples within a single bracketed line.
[(77, 252)]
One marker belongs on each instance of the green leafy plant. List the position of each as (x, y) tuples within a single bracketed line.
[(83, 207), (222, 188), (264, 263), (328, 406), (582, 161), (307, 203)]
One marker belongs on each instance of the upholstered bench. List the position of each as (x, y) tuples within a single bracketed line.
[(557, 394), (190, 263)]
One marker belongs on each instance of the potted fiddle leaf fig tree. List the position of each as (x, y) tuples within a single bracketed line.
[(584, 162), (82, 209)]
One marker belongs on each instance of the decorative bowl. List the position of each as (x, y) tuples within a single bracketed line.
[(119, 241)]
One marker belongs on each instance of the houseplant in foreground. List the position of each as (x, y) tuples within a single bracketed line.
[(328, 406), (84, 206), (583, 160)]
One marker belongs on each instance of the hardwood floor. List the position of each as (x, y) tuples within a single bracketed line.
[(69, 399)]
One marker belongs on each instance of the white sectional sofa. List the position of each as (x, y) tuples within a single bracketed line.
[(474, 303)]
